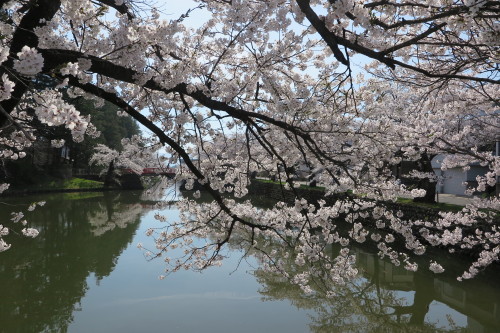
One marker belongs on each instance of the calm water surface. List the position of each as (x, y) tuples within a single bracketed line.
[(84, 273)]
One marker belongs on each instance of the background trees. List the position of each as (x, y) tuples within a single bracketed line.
[(280, 74), (42, 158)]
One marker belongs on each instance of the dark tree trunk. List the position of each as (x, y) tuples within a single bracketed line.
[(108, 180), (424, 165), (424, 295)]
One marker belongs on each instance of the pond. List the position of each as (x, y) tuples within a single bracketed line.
[(85, 273)]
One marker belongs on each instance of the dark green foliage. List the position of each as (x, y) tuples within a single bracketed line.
[(113, 128)]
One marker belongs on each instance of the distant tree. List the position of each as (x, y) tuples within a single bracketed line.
[(112, 127)]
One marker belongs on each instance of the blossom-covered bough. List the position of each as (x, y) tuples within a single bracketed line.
[(266, 86)]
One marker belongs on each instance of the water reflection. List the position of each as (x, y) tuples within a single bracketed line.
[(79, 235), (110, 213), (386, 298), (478, 299), (46, 279)]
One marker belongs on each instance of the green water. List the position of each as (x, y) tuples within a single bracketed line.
[(84, 273)]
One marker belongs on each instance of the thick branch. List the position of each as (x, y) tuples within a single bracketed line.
[(40, 11), (330, 38), (122, 9)]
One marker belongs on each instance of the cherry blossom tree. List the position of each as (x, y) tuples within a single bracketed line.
[(278, 77), (136, 153)]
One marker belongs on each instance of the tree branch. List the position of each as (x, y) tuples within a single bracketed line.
[(122, 9), (330, 38)]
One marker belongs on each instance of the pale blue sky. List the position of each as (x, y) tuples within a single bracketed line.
[(173, 9)]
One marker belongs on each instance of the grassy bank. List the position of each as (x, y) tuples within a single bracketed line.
[(74, 183), (437, 205), (48, 183), (404, 201)]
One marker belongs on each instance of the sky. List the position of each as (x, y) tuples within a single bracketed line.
[(173, 9)]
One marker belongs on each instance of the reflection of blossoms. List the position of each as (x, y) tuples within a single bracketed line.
[(30, 232), (157, 190), (435, 267), (121, 217), (18, 218)]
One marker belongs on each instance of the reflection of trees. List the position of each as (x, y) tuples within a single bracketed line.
[(478, 299), (359, 305), (373, 301), (112, 214), (157, 190), (43, 285)]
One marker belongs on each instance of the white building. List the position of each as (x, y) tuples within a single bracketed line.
[(456, 180)]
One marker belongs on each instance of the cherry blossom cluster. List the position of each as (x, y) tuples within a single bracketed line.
[(29, 62), (137, 153), (17, 218), (52, 110), (268, 88), (7, 87)]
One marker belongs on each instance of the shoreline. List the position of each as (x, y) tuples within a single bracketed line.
[(16, 193)]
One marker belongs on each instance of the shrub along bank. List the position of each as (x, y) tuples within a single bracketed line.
[(278, 192)]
